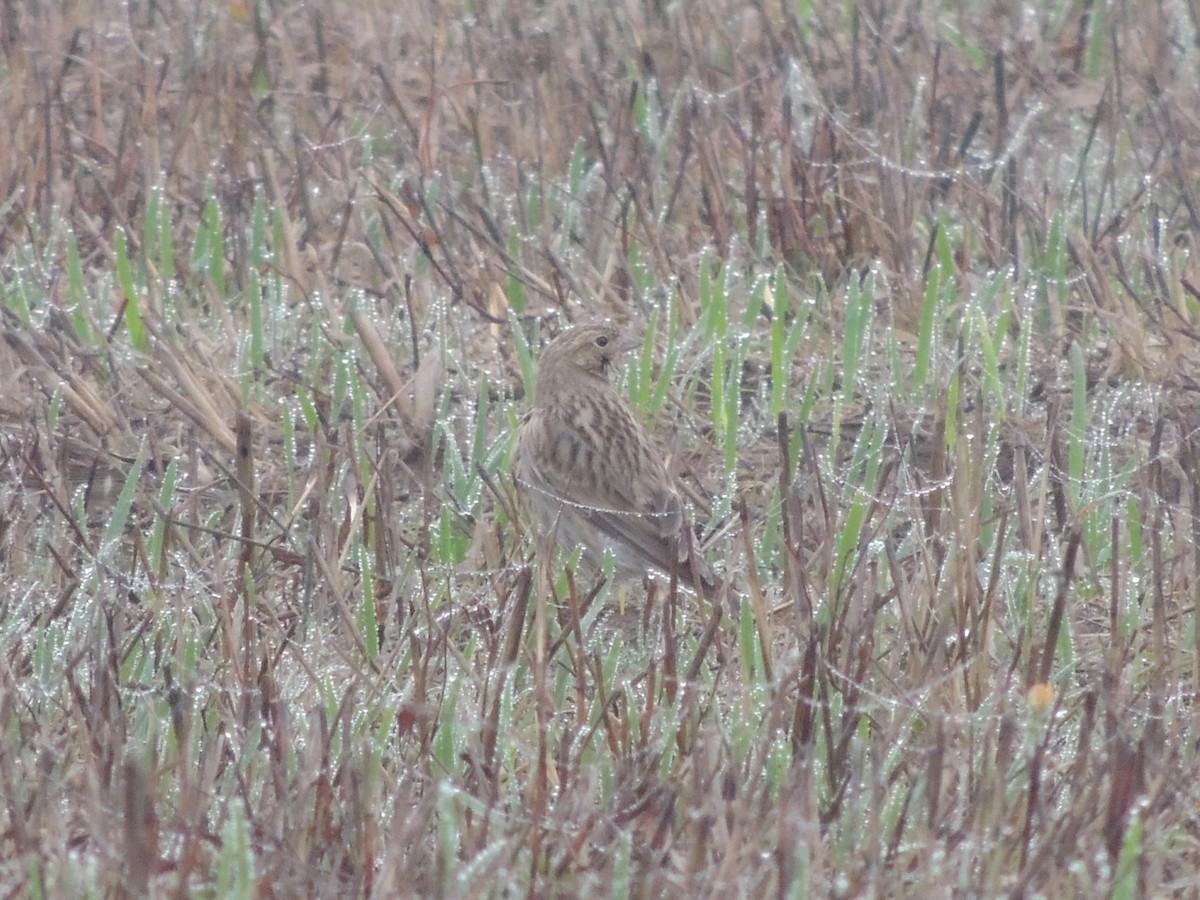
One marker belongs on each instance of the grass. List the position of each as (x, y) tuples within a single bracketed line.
[(917, 287)]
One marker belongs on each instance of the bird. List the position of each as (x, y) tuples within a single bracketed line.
[(591, 475)]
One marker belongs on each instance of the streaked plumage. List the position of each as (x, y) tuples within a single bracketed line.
[(589, 472)]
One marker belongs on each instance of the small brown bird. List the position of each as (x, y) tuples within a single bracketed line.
[(589, 472)]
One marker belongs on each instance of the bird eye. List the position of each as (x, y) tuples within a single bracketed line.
[(602, 341)]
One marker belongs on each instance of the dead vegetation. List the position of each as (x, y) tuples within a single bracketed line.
[(922, 302)]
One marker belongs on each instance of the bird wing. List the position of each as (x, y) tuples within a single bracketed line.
[(603, 484)]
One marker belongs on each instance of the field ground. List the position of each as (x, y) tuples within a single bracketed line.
[(921, 315)]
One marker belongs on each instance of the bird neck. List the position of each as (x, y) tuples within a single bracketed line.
[(555, 386)]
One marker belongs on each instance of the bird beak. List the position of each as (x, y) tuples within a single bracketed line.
[(627, 342)]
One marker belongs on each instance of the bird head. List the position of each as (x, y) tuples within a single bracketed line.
[(591, 349)]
